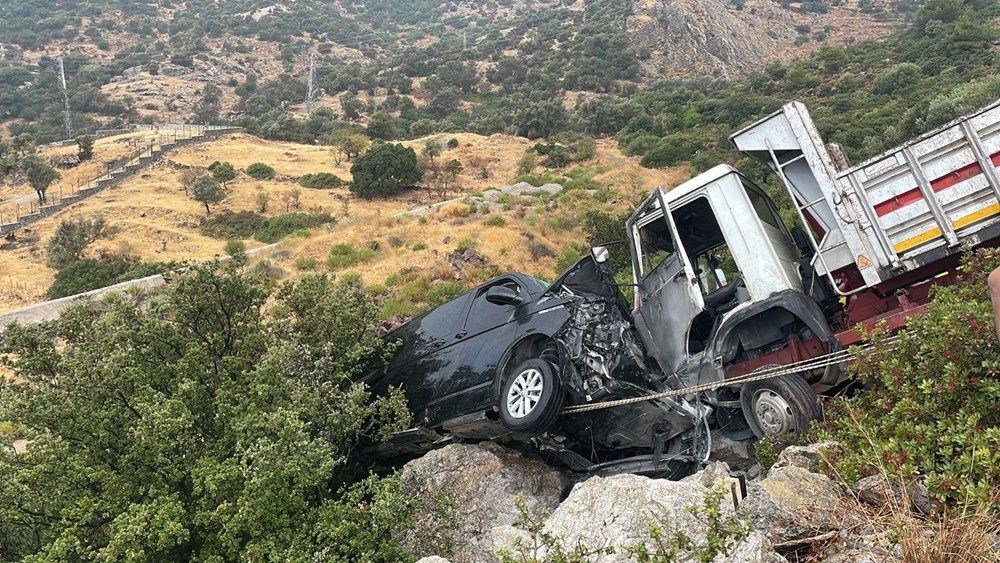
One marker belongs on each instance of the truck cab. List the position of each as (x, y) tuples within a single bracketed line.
[(718, 281)]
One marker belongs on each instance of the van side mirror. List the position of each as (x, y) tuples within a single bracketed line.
[(600, 254), (503, 295)]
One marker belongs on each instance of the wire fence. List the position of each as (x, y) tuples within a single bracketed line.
[(24, 209)]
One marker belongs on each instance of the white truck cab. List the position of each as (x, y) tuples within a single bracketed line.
[(722, 248)]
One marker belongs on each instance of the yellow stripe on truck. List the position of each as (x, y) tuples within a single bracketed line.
[(983, 213), (934, 233), (917, 240)]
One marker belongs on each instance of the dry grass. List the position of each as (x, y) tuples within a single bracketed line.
[(159, 222), (453, 210), (952, 534)]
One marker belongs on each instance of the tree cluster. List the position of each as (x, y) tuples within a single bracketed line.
[(198, 425)]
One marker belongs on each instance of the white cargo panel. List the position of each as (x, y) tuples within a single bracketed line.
[(896, 212), (939, 190)]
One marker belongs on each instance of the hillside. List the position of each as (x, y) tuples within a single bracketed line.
[(153, 61), (157, 221)]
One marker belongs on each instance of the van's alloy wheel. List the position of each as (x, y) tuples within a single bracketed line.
[(531, 397), (779, 405), (525, 392)]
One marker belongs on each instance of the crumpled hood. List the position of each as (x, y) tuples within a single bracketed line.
[(588, 277)]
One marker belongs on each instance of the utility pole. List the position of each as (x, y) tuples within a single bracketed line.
[(311, 84), (66, 117)]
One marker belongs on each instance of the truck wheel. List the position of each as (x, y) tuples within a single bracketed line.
[(531, 397), (778, 405)]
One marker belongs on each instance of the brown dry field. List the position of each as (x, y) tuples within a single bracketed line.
[(159, 222), (105, 151)]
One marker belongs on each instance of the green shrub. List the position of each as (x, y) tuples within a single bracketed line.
[(280, 226), (929, 411), (260, 171), (466, 244), (235, 247), (419, 246), (569, 255), (231, 225), (343, 255), (453, 143), (321, 181), (87, 274), (222, 171), (443, 292), (496, 221), (305, 262)]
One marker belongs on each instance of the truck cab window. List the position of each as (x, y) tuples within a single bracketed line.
[(763, 205), (655, 245)]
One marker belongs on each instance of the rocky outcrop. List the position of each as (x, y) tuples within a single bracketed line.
[(809, 457), (793, 503), (616, 512), (709, 37), (480, 482)]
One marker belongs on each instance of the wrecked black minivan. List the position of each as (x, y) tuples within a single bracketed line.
[(502, 361)]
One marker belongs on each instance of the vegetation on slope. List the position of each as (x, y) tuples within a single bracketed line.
[(200, 425)]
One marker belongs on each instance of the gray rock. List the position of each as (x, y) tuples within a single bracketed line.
[(551, 189), (605, 512), (734, 453), (793, 503), (433, 559), (481, 480), (808, 457), (492, 195), (876, 491), (519, 188)]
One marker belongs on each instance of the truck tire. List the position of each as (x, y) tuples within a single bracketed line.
[(531, 397), (779, 405)]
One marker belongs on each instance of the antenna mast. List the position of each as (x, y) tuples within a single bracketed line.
[(66, 117), (311, 84)]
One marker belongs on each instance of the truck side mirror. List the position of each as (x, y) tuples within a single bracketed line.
[(503, 295), (600, 254)]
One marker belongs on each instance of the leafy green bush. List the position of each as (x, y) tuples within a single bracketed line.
[(386, 169), (230, 225), (87, 274), (305, 262), (496, 221), (343, 255), (321, 181), (260, 171), (278, 227), (222, 171), (235, 247), (73, 236), (466, 244), (929, 411), (178, 400)]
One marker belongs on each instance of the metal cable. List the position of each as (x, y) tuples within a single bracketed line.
[(802, 365)]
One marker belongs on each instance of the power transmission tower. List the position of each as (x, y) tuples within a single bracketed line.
[(311, 84), (66, 118)]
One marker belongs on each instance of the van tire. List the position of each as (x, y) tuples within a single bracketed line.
[(531, 397), (779, 405)]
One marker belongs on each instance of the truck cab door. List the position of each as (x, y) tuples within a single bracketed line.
[(667, 293)]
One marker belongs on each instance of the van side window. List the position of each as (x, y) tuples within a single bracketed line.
[(485, 315), (763, 206), (444, 321)]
